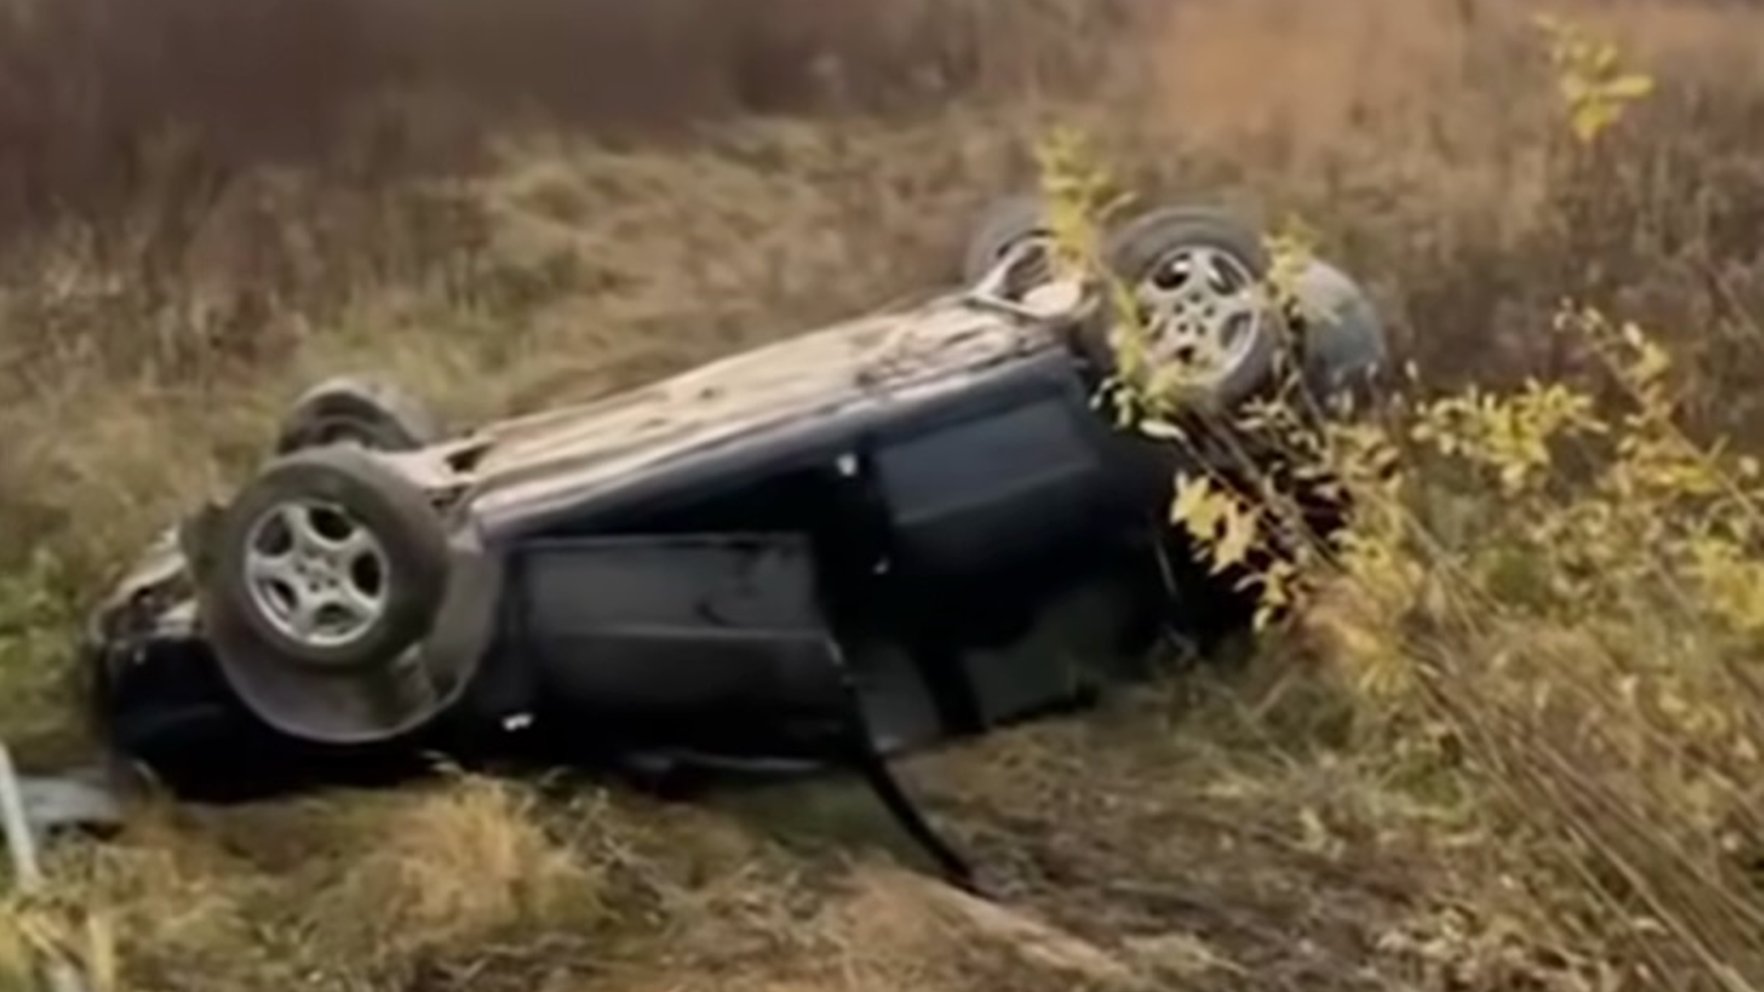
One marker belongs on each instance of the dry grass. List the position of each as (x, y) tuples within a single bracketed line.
[(474, 212), (100, 99)]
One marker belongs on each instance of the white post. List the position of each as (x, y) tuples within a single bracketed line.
[(27, 872)]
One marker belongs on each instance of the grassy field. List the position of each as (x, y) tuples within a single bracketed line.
[(1510, 740)]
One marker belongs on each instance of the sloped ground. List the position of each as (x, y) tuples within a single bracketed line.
[(1245, 832), (1166, 842), (1122, 854)]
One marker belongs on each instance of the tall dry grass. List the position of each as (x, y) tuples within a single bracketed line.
[(97, 93)]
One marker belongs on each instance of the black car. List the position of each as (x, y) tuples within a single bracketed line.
[(876, 536)]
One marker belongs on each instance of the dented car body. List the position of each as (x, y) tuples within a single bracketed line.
[(878, 536)]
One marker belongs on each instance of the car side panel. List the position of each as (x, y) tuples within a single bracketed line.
[(696, 640), (935, 535)]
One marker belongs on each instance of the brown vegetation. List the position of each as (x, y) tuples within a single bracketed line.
[(203, 210)]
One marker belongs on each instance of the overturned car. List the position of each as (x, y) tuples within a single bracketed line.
[(877, 536)]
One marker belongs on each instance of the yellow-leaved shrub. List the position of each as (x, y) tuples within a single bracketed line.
[(1554, 592)]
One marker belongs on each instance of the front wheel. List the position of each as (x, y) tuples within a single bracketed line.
[(1194, 279), (1013, 226)]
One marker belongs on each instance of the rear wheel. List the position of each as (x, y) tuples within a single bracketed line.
[(331, 558), (326, 580), (1346, 354)]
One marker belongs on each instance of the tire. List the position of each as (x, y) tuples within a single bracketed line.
[(1344, 358), (1004, 225), (1345, 349), (333, 533), (1137, 252), (375, 415)]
